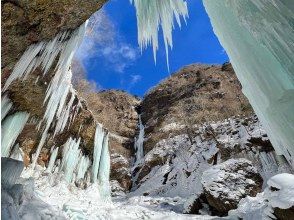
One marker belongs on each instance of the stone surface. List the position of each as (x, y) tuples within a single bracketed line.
[(227, 183), (193, 95)]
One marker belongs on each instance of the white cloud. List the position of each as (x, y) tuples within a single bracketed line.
[(135, 79), (102, 41)]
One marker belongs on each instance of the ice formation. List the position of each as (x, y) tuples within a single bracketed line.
[(83, 165), (17, 153), (70, 158), (98, 145), (6, 105), (153, 14), (258, 37), (53, 156), (43, 55), (104, 170), (139, 142), (10, 129)]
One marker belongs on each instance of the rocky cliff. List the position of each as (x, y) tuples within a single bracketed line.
[(195, 94)]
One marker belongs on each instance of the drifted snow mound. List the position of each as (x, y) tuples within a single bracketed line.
[(227, 183), (276, 202)]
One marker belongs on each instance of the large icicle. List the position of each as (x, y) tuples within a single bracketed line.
[(43, 54), (138, 145), (98, 145), (70, 158), (10, 129), (104, 170), (84, 163), (258, 37), (151, 14), (52, 160), (6, 105)]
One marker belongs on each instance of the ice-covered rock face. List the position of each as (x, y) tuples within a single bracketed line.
[(225, 184), (258, 37), (276, 202)]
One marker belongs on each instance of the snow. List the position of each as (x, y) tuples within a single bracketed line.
[(151, 15), (281, 191), (224, 180), (11, 127), (262, 60), (74, 202)]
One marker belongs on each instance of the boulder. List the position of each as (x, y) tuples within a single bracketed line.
[(280, 195), (227, 183)]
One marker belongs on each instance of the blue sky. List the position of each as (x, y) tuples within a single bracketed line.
[(112, 58)]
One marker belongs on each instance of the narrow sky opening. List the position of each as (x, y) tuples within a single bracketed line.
[(111, 57)]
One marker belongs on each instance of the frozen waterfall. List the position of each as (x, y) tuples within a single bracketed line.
[(139, 142), (258, 37)]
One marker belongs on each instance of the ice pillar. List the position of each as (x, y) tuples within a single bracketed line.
[(258, 37)]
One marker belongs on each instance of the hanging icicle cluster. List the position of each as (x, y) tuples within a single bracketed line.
[(153, 14), (43, 55)]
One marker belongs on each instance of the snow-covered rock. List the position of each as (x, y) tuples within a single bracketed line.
[(227, 183), (280, 195)]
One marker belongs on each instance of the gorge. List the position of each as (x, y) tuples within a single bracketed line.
[(192, 147)]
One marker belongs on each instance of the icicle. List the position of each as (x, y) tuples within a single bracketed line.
[(104, 170), (139, 142), (151, 15), (5, 106), (54, 152), (70, 158), (98, 144), (258, 37), (83, 166), (17, 153), (60, 84), (11, 128)]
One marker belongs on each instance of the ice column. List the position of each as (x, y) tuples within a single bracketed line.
[(104, 170), (71, 153), (98, 145), (6, 105), (10, 129), (83, 166), (258, 37), (139, 142), (52, 160), (153, 14)]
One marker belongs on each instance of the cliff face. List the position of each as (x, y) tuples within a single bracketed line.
[(26, 22), (116, 111), (193, 95)]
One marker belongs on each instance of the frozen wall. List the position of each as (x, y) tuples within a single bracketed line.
[(258, 37), (139, 142)]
